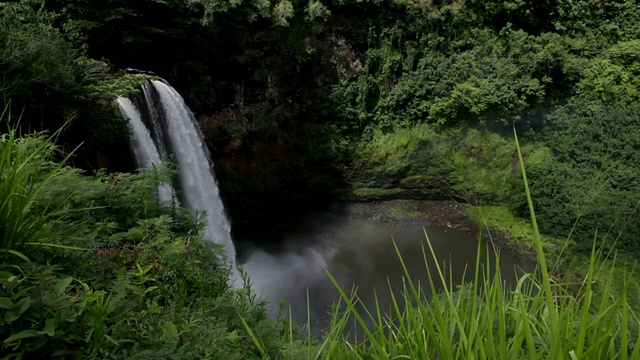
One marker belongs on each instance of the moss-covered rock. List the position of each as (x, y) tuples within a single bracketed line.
[(411, 183), (432, 180), (474, 165)]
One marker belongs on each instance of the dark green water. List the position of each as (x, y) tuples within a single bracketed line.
[(358, 253)]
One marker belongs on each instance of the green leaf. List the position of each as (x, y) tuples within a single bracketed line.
[(112, 340), (62, 285), (10, 317), (19, 254), (49, 327), (36, 344), (66, 247), (6, 303), (23, 305), (22, 335), (5, 275)]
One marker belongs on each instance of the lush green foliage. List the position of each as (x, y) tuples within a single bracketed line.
[(39, 73), (290, 90), (475, 166), (47, 83), (569, 83), (401, 98), (24, 217), (591, 180), (122, 276)]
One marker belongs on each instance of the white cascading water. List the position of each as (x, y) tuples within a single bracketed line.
[(152, 109), (174, 131), (144, 149)]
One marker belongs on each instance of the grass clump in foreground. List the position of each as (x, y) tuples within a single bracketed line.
[(538, 318)]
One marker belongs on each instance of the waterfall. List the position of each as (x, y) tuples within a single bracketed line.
[(162, 125), (144, 149)]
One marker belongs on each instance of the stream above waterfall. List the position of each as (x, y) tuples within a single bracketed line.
[(357, 247)]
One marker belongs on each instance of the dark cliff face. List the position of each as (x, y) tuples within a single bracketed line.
[(275, 146), (267, 175)]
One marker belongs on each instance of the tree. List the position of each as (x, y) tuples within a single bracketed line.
[(595, 138), (37, 65)]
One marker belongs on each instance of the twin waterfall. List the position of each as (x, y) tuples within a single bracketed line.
[(162, 125)]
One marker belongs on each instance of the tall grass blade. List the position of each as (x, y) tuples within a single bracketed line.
[(254, 338), (542, 262)]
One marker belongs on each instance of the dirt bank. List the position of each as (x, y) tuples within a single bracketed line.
[(412, 212)]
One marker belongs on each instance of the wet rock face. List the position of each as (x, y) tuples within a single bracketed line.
[(412, 212), (418, 181), (474, 166)]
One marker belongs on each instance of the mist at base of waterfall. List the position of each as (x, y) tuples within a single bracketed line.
[(358, 253)]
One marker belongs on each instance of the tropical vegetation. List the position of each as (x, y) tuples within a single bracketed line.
[(304, 103)]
